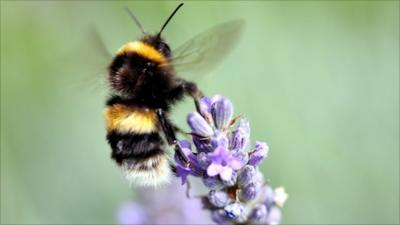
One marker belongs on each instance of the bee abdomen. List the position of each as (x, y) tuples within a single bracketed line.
[(132, 133), (141, 157)]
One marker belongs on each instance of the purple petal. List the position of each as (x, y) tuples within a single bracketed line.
[(199, 125), (235, 164), (238, 160), (219, 155), (222, 112), (194, 166), (182, 172)]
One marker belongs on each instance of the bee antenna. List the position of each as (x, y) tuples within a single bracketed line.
[(169, 18), (135, 19)]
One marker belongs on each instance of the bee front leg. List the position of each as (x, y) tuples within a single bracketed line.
[(169, 133), (192, 90)]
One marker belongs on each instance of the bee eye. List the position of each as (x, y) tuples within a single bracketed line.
[(164, 49)]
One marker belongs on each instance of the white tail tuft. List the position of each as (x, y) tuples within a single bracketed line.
[(155, 172)]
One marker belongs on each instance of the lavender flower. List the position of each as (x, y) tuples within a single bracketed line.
[(223, 159), (223, 162)]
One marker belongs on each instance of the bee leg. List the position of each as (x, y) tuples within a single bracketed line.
[(184, 87), (192, 90), (169, 133)]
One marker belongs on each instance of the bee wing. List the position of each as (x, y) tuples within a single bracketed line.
[(96, 58), (99, 44), (205, 51)]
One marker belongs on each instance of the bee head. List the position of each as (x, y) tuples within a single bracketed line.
[(137, 63), (156, 41), (158, 44)]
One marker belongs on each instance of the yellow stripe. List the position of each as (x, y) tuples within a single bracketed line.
[(127, 119), (144, 50)]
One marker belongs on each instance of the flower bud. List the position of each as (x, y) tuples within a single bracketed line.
[(259, 214), (199, 125), (249, 192), (234, 211), (219, 216), (240, 138), (218, 198), (222, 111), (246, 175), (260, 153)]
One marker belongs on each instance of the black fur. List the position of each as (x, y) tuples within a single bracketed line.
[(134, 146)]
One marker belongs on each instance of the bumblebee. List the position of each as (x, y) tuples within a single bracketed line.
[(144, 87)]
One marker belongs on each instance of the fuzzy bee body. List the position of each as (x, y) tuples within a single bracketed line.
[(144, 87)]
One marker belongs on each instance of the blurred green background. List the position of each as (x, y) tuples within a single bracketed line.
[(319, 81)]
